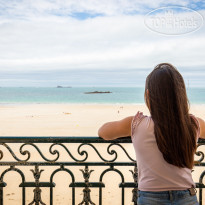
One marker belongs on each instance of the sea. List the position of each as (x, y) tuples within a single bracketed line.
[(117, 95)]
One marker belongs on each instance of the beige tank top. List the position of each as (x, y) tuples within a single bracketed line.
[(154, 173)]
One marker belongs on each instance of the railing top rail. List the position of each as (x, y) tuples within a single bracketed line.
[(61, 139), (65, 139)]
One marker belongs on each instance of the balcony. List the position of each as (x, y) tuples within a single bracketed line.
[(90, 170)]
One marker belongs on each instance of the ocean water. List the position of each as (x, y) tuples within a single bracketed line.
[(77, 95)]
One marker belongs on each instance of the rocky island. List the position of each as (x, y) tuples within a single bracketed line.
[(97, 92), (59, 86)]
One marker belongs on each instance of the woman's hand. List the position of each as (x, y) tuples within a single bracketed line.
[(116, 129), (202, 127)]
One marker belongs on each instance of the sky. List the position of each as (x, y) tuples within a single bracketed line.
[(94, 42)]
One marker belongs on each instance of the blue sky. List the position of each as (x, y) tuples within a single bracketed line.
[(42, 39)]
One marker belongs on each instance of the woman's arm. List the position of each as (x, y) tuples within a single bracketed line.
[(202, 127), (116, 129)]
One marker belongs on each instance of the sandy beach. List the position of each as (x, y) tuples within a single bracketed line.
[(61, 119), (66, 120)]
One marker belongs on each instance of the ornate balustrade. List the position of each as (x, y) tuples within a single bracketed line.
[(86, 155)]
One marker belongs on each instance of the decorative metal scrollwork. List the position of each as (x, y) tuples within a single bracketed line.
[(199, 153), (14, 156), (54, 152), (37, 191), (1, 155), (86, 190)]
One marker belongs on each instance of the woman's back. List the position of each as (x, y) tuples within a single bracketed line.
[(154, 173)]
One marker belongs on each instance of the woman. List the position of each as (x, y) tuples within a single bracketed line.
[(164, 142)]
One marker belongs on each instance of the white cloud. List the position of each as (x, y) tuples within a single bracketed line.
[(33, 37)]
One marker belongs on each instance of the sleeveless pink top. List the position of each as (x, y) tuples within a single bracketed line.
[(154, 173)]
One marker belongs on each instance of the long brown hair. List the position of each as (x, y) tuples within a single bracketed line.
[(175, 130)]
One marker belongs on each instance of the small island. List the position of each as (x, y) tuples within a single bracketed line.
[(59, 86), (97, 92)]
